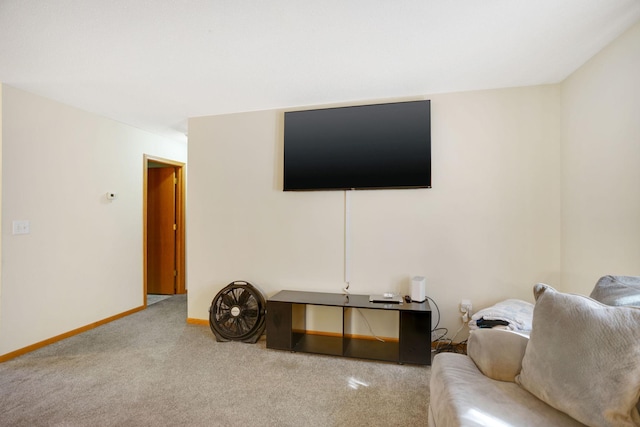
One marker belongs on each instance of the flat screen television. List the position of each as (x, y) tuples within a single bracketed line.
[(377, 146)]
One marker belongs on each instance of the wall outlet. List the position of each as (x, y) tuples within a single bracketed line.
[(465, 306)]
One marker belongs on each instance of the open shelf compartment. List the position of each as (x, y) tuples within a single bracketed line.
[(316, 341)]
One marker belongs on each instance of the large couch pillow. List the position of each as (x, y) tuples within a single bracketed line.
[(583, 358), (617, 290)]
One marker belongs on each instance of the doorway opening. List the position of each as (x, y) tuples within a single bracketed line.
[(164, 227)]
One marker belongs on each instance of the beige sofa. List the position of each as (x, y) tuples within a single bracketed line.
[(578, 367)]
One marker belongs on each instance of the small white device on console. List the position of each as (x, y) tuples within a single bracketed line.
[(386, 298), (418, 289)]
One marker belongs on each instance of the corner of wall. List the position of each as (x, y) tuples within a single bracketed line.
[(87, 231), (600, 198)]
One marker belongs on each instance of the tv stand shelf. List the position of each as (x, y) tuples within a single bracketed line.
[(286, 328)]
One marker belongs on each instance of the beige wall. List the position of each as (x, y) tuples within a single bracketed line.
[(82, 261), (601, 166), (537, 184), (487, 230), (530, 184)]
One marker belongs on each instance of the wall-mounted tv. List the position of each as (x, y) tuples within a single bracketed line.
[(360, 147)]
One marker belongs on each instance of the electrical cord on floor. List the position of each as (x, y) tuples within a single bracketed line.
[(447, 344), (438, 311), (445, 331), (451, 347), (444, 344)]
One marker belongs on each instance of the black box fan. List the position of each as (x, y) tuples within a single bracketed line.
[(237, 313)]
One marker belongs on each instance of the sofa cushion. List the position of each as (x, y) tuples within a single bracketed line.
[(461, 396), (582, 358), (497, 353), (617, 290)]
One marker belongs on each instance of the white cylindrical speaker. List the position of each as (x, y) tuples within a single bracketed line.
[(418, 289)]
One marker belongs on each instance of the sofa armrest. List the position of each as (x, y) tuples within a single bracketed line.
[(497, 353)]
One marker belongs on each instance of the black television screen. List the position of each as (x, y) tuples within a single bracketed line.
[(362, 147)]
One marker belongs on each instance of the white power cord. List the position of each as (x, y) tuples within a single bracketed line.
[(347, 240)]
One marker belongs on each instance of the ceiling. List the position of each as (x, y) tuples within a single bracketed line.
[(154, 63)]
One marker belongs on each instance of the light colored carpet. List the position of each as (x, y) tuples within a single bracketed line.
[(154, 369), (154, 298)]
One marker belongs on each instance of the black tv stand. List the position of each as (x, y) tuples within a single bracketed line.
[(286, 329)]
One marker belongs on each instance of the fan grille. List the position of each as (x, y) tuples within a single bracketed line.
[(237, 313)]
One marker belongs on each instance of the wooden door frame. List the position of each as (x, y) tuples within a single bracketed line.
[(180, 221)]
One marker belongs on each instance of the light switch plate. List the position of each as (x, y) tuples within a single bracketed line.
[(21, 227)]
